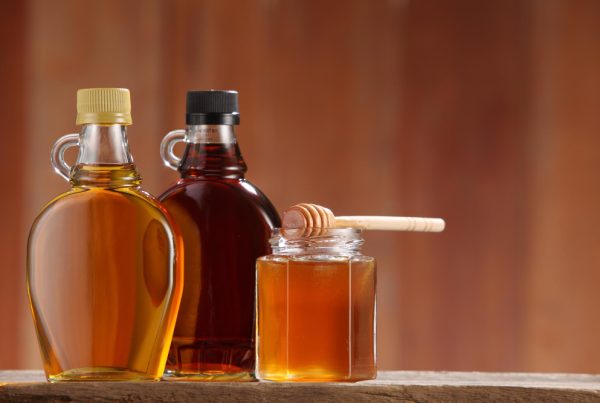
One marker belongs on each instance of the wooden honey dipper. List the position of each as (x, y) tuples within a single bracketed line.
[(308, 215)]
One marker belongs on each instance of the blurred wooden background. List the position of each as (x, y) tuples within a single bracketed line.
[(486, 113)]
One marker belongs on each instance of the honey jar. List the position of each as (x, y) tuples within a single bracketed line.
[(316, 307)]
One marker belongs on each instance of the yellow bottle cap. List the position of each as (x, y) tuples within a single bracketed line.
[(103, 106)]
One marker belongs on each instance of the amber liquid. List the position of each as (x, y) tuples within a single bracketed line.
[(316, 319), (103, 281), (225, 222)]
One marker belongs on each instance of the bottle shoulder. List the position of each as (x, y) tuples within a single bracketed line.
[(207, 188), (237, 195), (129, 199), (202, 182), (87, 193)]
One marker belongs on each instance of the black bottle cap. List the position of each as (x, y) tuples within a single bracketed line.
[(212, 108)]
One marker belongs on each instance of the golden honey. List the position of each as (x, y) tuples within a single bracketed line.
[(316, 314)]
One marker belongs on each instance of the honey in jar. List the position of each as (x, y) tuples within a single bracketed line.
[(316, 307)]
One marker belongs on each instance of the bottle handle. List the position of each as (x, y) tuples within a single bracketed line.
[(166, 148), (57, 155)]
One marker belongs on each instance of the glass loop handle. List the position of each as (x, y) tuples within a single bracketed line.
[(167, 145), (57, 155)]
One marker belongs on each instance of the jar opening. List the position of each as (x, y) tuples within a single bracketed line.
[(344, 241)]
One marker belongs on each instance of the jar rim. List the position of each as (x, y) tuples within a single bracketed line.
[(316, 241), (318, 232)]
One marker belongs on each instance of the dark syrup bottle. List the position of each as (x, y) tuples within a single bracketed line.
[(226, 224)]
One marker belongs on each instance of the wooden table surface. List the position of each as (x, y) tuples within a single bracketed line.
[(21, 386)]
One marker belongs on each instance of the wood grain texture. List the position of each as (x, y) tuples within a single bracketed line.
[(484, 113), (12, 153), (466, 159), (390, 386), (563, 301)]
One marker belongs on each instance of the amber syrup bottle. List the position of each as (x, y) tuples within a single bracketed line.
[(226, 224), (103, 274)]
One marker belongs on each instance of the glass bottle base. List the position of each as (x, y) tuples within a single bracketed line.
[(225, 360), (315, 376), (101, 374), (215, 376)]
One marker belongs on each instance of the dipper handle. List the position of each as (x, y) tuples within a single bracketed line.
[(415, 224)]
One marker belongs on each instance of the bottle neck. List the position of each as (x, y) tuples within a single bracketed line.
[(212, 152), (104, 159)]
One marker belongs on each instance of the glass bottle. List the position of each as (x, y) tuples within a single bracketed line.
[(316, 307), (225, 223), (103, 276)]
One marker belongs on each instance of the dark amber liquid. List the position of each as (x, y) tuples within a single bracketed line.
[(103, 281), (225, 222), (316, 319)]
